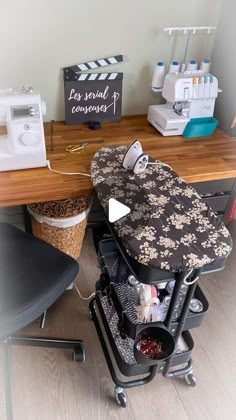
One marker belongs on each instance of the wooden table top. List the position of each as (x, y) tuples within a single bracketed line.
[(196, 160)]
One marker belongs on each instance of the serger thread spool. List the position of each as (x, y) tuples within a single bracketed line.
[(192, 65), (158, 76), (174, 67), (205, 66)]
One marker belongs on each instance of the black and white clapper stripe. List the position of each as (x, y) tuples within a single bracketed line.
[(74, 72), (102, 62)]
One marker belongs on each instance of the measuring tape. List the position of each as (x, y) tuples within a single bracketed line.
[(74, 72)]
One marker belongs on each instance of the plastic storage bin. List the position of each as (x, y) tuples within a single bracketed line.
[(200, 127)]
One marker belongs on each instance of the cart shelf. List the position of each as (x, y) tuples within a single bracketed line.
[(123, 348), (126, 298)]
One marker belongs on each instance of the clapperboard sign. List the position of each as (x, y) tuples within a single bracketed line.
[(93, 96)]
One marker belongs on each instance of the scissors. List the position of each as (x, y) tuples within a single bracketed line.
[(76, 148)]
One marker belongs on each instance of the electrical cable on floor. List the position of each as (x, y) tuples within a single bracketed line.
[(82, 297), (65, 173)]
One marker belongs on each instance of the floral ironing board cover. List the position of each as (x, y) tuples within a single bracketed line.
[(169, 226)]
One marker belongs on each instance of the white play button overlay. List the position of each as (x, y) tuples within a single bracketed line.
[(116, 210)]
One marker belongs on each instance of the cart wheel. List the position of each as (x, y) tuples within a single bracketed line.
[(78, 354), (120, 397), (190, 379)]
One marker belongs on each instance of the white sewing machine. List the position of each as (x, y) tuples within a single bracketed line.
[(188, 95), (22, 143)]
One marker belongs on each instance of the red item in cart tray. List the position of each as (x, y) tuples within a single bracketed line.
[(151, 348)]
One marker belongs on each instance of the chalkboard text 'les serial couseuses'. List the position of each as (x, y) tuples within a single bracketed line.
[(103, 95)]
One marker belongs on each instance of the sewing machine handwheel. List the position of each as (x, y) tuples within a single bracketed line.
[(141, 164)]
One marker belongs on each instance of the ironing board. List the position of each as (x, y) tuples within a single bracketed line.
[(169, 227)]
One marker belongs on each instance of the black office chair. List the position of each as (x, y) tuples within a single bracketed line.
[(33, 275)]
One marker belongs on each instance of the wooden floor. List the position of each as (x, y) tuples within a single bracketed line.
[(47, 385)]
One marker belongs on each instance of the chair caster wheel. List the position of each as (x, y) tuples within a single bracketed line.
[(78, 354), (190, 379), (120, 397)]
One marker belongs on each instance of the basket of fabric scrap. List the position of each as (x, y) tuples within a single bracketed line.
[(61, 223)]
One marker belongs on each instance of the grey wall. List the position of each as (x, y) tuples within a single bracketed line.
[(224, 65), (39, 38)]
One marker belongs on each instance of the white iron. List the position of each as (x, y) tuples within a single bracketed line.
[(134, 158)]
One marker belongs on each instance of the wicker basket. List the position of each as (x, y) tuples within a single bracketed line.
[(61, 223)]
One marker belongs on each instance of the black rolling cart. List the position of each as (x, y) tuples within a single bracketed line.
[(168, 240), (114, 316)]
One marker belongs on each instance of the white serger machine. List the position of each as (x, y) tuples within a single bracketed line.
[(189, 95), (22, 142)]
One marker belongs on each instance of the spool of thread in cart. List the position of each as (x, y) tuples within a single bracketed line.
[(192, 65), (174, 67), (158, 76), (205, 65)]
